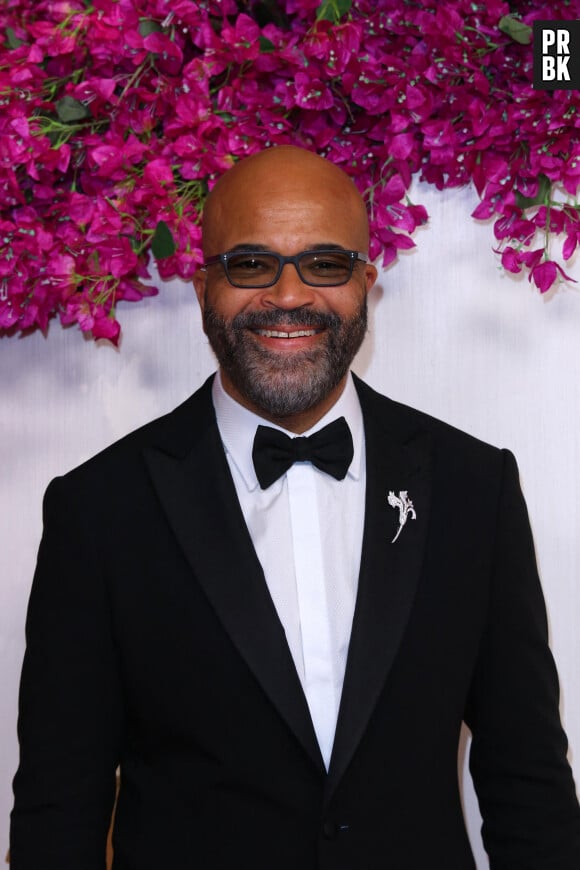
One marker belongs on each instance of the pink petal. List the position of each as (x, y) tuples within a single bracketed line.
[(569, 245), (543, 275)]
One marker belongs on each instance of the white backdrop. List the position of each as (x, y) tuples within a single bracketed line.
[(450, 334)]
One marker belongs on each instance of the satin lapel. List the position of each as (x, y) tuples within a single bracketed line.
[(396, 461), (198, 496)]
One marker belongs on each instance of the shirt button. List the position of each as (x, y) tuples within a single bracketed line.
[(329, 831)]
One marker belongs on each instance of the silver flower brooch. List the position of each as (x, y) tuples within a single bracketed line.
[(406, 509)]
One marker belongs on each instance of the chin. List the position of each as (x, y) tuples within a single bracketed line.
[(282, 390)]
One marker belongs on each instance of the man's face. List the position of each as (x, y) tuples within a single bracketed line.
[(317, 330)]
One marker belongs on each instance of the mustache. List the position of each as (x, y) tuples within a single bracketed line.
[(292, 317)]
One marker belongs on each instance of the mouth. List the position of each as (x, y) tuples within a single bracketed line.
[(289, 339), (295, 333)]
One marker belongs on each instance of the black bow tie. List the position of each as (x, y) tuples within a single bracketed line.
[(330, 449)]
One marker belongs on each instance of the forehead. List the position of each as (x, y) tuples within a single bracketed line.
[(286, 211)]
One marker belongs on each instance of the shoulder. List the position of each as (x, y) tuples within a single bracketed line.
[(175, 433), (403, 420), (455, 453)]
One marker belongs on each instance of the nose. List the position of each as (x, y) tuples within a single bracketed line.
[(289, 291)]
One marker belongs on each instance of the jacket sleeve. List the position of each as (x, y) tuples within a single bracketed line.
[(70, 709), (531, 819)]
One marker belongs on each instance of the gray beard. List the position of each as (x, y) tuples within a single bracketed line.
[(282, 384)]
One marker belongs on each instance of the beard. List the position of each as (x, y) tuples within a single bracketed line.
[(282, 384)]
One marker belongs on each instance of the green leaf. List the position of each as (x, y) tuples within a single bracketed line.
[(146, 27), (333, 10), (68, 109), (162, 243), (12, 39), (266, 46), (544, 187), (515, 28)]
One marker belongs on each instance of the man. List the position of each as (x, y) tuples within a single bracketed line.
[(277, 639)]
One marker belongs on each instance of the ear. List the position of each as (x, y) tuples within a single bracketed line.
[(200, 282), (371, 274)]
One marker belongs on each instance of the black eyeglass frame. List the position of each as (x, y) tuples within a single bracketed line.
[(354, 256)]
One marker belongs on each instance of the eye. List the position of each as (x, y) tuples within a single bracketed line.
[(324, 265), (246, 263), (328, 263)]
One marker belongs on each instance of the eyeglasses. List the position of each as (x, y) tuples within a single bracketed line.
[(257, 269)]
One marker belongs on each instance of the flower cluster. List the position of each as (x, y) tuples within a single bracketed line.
[(118, 116)]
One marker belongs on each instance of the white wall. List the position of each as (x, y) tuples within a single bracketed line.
[(449, 334)]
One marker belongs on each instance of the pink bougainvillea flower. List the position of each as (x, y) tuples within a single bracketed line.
[(112, 160), (311, 93), (572, 232), (513, 226), (117, 257), (544, 274), (242, 41), (551, 219), (510, 260), (169, 56), (118, 117), (105, 326), (531, 259)]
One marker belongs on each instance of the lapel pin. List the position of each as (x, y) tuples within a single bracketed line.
[(406, 509)]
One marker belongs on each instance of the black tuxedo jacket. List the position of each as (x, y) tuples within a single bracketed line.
[(152, 642)]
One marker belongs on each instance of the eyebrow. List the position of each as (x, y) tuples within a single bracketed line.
[(254, 246)]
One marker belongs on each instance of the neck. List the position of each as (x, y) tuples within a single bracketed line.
[(296, 423)]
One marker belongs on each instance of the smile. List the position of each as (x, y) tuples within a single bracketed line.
[(275, 333)]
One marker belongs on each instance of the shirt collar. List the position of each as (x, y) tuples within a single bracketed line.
[(237, 426)]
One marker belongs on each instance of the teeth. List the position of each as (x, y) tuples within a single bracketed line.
[(274, 333)]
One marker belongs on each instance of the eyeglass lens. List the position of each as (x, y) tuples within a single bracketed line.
[(319, 268)]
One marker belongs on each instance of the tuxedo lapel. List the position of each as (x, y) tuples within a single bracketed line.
[(195, 487), (396, 460)]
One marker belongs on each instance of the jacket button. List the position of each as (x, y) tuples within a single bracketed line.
[(329, 831)]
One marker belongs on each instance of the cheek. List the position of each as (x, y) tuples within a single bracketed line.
[(346, 301), (225, 300)]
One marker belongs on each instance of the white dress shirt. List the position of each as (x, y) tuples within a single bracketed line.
[(307, 532)]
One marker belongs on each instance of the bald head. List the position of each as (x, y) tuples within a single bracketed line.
[(283, 189)]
